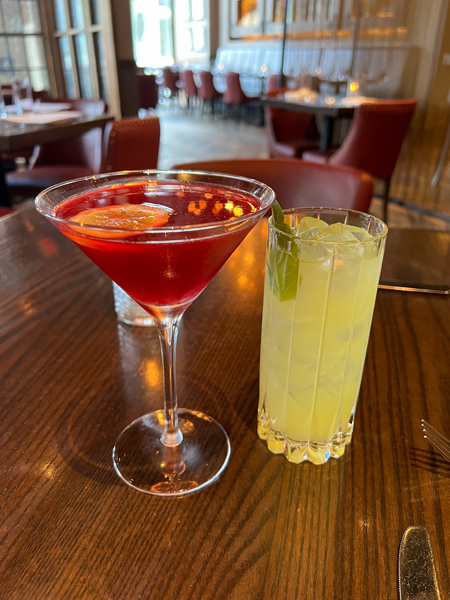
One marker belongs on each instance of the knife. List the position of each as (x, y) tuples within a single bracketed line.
[(414, 287), (416, 571)]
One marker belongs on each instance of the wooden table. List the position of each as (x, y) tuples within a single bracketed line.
[(71, 378), (18, 136), (329, 112)]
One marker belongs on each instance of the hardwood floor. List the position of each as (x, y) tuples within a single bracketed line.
[(186, 138)]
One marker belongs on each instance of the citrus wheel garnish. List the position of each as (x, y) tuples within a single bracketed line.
[(132, 218)]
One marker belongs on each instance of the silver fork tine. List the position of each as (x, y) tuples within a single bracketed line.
[(438, 441)]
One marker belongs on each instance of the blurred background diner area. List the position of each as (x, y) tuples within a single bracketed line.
[(156, 83)]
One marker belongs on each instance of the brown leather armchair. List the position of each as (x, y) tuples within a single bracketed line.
[(131, 144), (373, 142)]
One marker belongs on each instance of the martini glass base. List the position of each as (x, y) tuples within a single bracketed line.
[(143, 462)]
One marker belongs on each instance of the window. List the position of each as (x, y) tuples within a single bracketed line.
[(191, 30), (22, 50), (79, 36), (166, 31), (152, 33)]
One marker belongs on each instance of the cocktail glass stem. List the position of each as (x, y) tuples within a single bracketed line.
[(168, 333)]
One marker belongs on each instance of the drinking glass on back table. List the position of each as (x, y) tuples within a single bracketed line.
[(22, 95)]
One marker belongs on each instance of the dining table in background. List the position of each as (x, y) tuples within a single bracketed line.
[(72, 376), (319, 107), (16, 136)]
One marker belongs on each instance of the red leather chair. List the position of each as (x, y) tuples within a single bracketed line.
[(234, 96), (273, 82), (131, 144), (170, 81), (373, 142), (289, 133), (207, 91), (148, 90), (298, 183), (189, 86), (61, 161)]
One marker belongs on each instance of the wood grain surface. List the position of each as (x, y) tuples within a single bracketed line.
[(71, 378)]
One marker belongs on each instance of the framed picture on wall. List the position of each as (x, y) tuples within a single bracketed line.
[(247, 17)]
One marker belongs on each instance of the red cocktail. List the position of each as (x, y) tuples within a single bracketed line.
[(164, 271), (162, 236)]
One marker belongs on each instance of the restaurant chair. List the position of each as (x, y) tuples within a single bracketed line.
[(131, 144), (298, 183), (148, 90), (273, 83), (207, 92), (170, 83), (237, 103), (373, 142), (289, 133), (60, 161), (189, 86)]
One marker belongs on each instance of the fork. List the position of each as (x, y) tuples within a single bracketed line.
[(438, 441)]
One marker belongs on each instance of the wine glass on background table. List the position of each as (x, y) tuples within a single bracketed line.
[(162, 236)]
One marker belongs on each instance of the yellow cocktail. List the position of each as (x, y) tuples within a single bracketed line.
[(322, 273)]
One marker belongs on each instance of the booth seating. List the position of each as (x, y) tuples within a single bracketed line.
[(383, 70)]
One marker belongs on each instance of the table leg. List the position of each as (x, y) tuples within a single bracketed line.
[(326, 136), (5, 199)]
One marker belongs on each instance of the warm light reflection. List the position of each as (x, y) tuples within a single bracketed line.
[(151, 373), (263, 68), (264, 228), (47, 246), (27, 307), (249, 258), (28, 225), (330, 100), (246, 283)]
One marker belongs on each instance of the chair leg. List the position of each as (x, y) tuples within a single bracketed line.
[(387, 185)]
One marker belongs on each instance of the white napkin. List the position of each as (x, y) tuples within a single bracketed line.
[(42, 107), (43, 118), (303, 94)]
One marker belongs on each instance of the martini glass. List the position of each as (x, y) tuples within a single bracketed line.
[(172, 451)]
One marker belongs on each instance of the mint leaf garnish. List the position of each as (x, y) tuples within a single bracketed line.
[(283, 262)]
